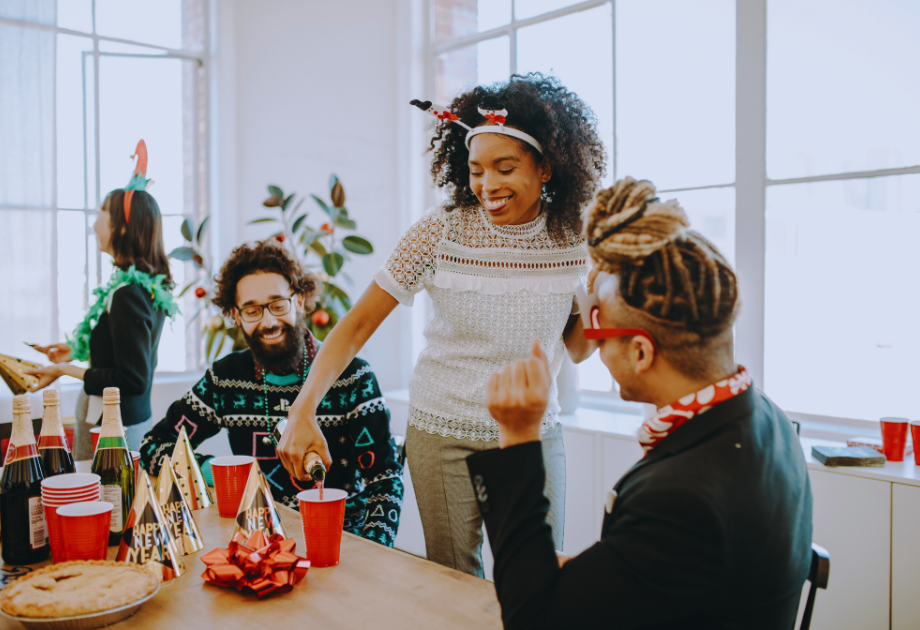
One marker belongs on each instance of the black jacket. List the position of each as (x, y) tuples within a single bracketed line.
[(712, 529), (123, 351)]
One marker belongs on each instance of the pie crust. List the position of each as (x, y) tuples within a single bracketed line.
[(76, 588)]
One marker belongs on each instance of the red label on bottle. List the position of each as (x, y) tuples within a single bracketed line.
[(15, 453), (52, 441)]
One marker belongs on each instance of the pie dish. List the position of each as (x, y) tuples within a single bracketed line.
[(76, 588)]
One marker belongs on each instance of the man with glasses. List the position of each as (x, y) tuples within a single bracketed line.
[(267, 294)]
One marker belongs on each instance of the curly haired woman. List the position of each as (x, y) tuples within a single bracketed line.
[(501, 261)]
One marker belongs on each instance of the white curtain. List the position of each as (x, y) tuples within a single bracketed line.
[(26, 175)]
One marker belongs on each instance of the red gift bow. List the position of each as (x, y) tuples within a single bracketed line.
[(258, 565), (496, 119), (448, 116)]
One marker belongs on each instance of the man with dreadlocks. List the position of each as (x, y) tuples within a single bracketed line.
[(712, 528)]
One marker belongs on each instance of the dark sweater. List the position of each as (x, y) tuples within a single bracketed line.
[(711, 529), (123, 351), (354, 419)]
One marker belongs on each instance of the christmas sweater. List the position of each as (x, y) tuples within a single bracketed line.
[(353, 416)]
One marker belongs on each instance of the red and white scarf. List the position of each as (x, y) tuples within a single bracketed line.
[(672, 416)]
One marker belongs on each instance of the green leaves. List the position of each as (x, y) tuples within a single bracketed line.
[(357, 245), (333, 262), (298, 222), (183, 253), (274, 191), (263, 220), (201, 230), (322, 204), (187, 229)]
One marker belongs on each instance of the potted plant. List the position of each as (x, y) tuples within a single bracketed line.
[(324, 249)]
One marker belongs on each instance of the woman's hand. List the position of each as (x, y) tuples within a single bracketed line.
[(517, 396), (562, 558), (56, 352), (46, 376), (302, 436)]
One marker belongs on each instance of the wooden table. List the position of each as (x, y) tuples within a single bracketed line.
[(372, 587)]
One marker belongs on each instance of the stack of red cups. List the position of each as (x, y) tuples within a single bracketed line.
[(62, 490)]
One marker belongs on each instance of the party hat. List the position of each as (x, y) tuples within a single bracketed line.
[(146, 540), (12, 371), (257, 508), (179, 519), (188, 474)]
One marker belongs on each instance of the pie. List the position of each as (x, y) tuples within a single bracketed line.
[(76, 588)]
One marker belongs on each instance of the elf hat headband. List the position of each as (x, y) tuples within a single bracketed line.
[(139, 180), (495, 116)]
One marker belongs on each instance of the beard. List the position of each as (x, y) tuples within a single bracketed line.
[(278, 358)]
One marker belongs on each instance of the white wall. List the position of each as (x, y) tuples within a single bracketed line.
[(305, 89)]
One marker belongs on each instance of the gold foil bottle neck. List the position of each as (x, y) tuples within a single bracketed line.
[(111, 414), (51, 413), (22, 404), (22, 432), (111, 396)]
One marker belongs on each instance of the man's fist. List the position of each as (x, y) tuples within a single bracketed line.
[(517, 395)]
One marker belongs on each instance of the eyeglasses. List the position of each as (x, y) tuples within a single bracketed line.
[(590, 310), (253, 313)]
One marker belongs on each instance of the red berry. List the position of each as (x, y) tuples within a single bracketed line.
[(279, 238), (325, 227), (200, 292), (320, 317)]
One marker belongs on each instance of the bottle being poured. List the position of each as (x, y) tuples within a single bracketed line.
[(312, 462)]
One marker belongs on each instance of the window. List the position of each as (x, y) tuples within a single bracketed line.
[(664, 97), (822, 147), (842, 207), (80, 83)]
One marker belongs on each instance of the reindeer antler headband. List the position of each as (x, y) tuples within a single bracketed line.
[(495, 116), (139, 180)]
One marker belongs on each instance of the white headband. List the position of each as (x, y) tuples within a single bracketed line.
[(496, 116)]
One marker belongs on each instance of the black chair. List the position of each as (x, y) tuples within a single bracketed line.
[(818, 575), (400, 442)]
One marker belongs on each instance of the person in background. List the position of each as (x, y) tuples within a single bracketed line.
[(712, 527), (501, 261), (266, 292), (121, 331)]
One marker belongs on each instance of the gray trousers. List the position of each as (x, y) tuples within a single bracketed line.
[(447, 503)]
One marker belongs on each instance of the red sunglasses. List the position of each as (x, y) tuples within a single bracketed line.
[(590, 310)]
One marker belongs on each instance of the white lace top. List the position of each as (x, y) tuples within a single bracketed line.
[(494, 289)]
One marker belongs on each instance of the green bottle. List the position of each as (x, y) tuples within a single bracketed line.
[(113, 464)]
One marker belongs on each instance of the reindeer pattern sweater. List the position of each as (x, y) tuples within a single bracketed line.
[(353, 416)]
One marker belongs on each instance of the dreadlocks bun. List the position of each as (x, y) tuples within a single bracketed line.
[(669, 275), (628, 223)]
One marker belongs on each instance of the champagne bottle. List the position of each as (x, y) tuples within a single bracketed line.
[(22, 516), (113, 464), (52, 443), (313, 465)]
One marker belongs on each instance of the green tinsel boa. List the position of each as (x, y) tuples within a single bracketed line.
[(161, 296)]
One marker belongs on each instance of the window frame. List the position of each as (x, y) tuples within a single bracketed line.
[(750, 184), (92, 193)]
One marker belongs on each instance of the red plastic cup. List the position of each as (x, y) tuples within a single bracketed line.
[(136, 456), (230, 474), (56, 527), (894, 438), (95, 431), (69, 482), (322, 525), (92, 495), (87, 527), (915, 435)]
